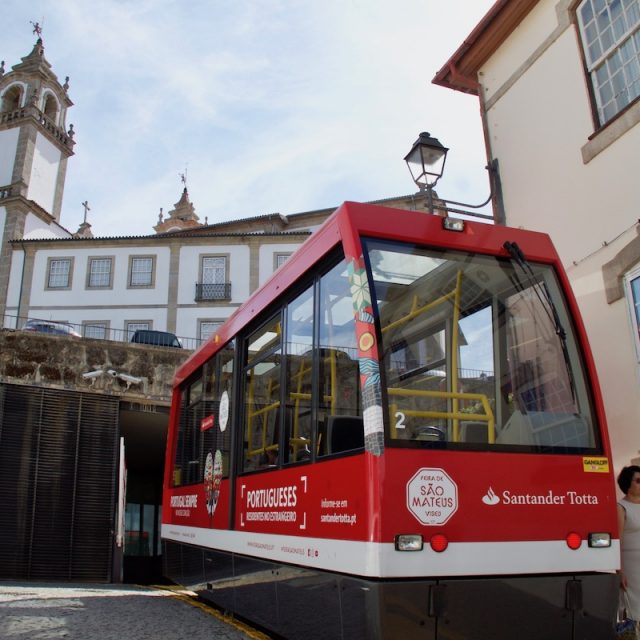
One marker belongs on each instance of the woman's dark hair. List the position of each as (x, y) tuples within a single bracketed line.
[(625, 477)]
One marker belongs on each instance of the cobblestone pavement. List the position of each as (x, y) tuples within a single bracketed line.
[(41, 611)]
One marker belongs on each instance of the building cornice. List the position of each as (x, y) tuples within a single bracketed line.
[(460, 72), (162, 238)]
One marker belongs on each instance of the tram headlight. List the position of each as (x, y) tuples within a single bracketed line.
[(599, 540), (453, 224), (409, 542)]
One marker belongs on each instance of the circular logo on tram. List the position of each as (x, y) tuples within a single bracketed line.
[(212, 480), (223, 411), (432, 496)]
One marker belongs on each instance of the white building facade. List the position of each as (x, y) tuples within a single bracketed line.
[(186, 278), (184, 282), (558, 83)]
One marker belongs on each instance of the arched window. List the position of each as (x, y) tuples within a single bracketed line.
[(50, 107), (12, 98)]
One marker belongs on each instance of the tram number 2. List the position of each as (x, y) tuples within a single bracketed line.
[(400, 418)]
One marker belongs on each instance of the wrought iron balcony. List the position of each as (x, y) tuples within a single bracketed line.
[(207, 291)]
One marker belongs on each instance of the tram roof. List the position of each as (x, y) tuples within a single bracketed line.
[(345, 226)]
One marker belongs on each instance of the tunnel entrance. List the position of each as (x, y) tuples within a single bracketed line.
[(144, 429)]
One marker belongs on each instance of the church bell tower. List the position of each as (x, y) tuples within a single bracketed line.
[(35, 145)]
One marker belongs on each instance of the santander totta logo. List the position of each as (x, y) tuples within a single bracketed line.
[(490, 497), (546, 497)]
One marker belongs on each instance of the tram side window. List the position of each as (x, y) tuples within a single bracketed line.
[(340, 425), (299, 377), (224, 415), (217, 412), (262, 397), (188, 467), (200, 434)]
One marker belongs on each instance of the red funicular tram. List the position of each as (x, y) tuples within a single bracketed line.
[(400, 435)]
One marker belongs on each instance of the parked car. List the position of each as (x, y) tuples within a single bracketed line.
[(48, 326), (158, 338)]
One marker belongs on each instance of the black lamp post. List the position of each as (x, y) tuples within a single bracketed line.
[(426, 163)]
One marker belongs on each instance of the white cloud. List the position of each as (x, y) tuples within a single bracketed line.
[(275, 105)]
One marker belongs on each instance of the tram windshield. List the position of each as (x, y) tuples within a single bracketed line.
[(478, 352)]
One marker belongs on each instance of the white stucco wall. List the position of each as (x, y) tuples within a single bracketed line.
[(612, 343), (267, 257), (44, 173), (13, 289), (538, 144), (36, 228), (188, 318), (538, 121), (521, 44), (8, 147), (118, 304)]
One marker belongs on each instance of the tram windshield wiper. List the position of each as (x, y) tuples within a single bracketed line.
[(547, 304)]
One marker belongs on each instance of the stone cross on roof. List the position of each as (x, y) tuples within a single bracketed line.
[(87, 208)]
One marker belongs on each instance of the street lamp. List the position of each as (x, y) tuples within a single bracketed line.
[(426, 163)]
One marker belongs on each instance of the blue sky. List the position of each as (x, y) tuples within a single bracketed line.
[(271, 105)]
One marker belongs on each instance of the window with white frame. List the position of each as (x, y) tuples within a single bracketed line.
[(213, 283), (59, 273), (279, 259), (214, 269), (632, 282), (141, 271), (132, 327), (95, 329), (207, 328), (99, 273), (610, 34)]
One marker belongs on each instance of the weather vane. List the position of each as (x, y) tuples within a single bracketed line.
[(183, 176), (37, 28)]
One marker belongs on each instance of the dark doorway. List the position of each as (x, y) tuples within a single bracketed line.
[(144, 428)]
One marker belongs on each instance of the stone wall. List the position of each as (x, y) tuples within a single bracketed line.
[(139, 372)]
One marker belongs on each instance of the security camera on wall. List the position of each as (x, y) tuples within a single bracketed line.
[(129, 379), (93, 374)]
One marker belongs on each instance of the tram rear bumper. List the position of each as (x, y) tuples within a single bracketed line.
[(297, 602)]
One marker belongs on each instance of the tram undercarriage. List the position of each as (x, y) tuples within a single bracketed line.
[(299, 603)]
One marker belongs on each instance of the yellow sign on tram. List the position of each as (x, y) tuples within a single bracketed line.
[(595, 465)]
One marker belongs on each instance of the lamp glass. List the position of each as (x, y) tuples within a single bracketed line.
[(426, 160)]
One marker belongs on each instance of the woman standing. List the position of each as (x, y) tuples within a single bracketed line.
[(629, 528)]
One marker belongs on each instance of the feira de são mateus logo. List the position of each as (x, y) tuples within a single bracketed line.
[(432, 496)]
